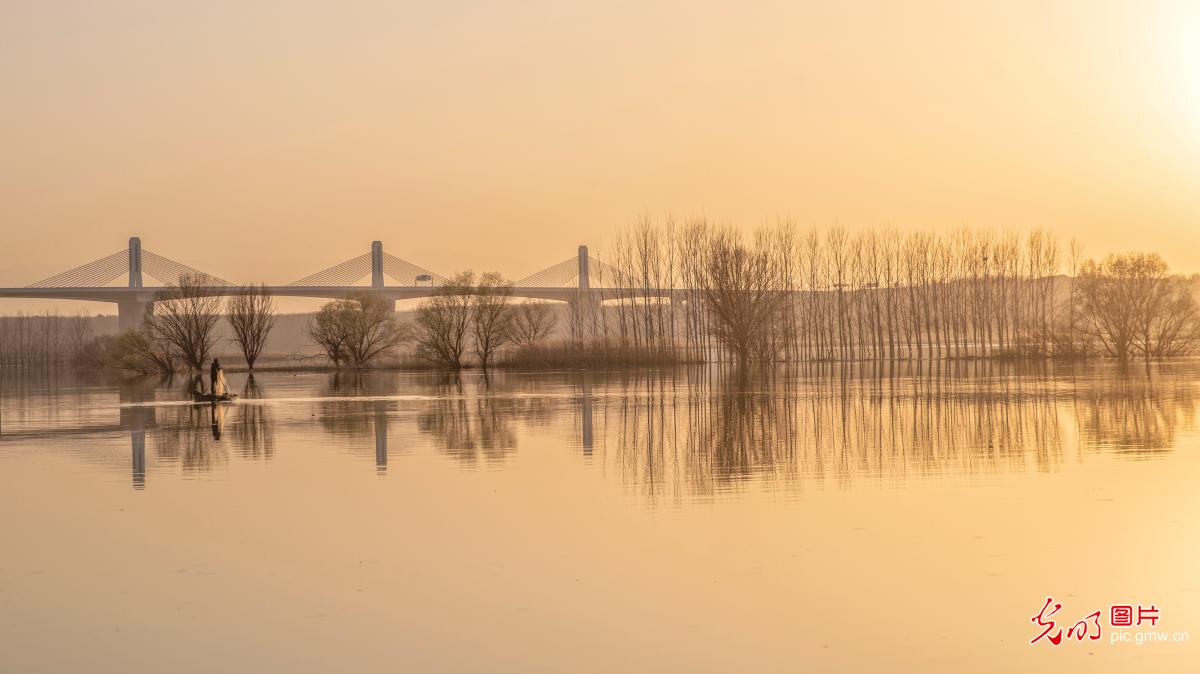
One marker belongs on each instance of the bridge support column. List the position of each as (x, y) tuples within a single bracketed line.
[(130, 314), (376, 264), (584, 281), (585, 306), (377, 278), (135, 262)]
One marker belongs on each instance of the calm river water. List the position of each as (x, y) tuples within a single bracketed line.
[(691, 521)]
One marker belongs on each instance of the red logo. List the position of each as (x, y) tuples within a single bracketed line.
[(1119, 615)]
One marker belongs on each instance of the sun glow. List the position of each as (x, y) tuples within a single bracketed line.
[(1186, 58)]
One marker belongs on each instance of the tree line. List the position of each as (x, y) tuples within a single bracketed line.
[(699, 292), (44, 340), (465, 319), (179, 332)]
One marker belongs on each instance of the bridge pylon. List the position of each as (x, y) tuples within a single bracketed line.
[(584, 284), (130, 314), (376, 264), (135, 262), (377, 273)]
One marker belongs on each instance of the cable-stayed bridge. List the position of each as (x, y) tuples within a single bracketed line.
[(575, 279)]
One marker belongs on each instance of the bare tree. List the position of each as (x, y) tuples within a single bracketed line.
[(327, 329), (184, 316), (741, 291), (491, 316), (251, 314), (137, 351), (1129, 304), (372, 329), (357, 330), (79, 332), (532, 322), (443, 322)]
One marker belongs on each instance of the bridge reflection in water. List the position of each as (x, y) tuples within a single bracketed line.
[(697, 431), (137, 420)]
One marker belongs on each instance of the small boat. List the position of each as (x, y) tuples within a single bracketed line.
[(213, 398)]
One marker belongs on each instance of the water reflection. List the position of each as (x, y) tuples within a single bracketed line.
[(1139, 414), (137, 420), (189, 435), (713, 431), (701, 431), (253, 430), (346, 417), (472, 423)]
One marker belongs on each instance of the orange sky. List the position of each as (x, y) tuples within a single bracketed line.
[(265, 141)]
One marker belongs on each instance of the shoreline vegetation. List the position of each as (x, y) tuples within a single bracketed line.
[(674, 293)]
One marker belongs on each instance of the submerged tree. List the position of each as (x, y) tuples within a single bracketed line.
[(372, 329), (491, 316), (184, 316), (137, 351), (326, 329), (1130, 305), (443, 322), (356, 330), (251, 314), (741, 290)]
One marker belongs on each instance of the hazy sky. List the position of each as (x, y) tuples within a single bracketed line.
[(265, 141)]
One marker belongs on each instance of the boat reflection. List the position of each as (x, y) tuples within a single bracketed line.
[(701, 431)]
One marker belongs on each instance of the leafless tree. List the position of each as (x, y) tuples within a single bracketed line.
[(491, 316), (184, 316), (326, 329), (357, 330), (373, 329), (138, 351), (532, 323), (444, 321), (1130, 305), (251, 314), (79, 332), (741, 291)]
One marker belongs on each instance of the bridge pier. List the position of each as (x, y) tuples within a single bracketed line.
[(585, 306), (377, 278), (584, 280), (376, 264), (135, 262), (130, 314)]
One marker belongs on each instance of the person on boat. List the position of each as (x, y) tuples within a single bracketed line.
[(216, 375)]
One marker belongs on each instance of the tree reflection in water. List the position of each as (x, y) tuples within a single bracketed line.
[(253, 430), (709, 431), (359, 414), (470, 422), (189, 435), (1139, 413)]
